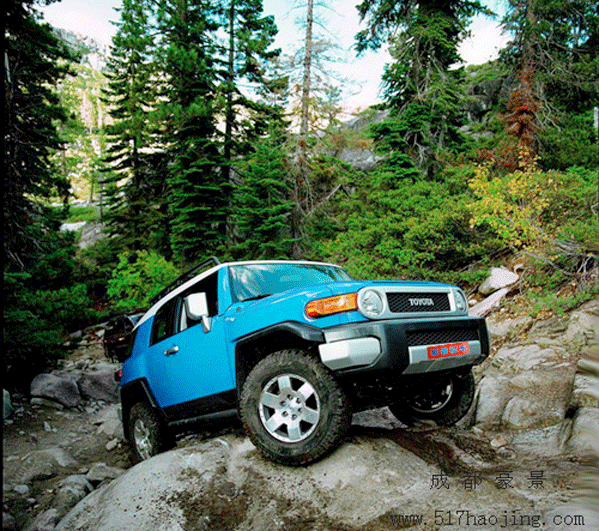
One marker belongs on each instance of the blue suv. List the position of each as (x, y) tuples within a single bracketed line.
[(293, 348)]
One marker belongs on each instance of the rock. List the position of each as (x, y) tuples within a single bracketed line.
[(112, 444), (70, 492), (492, 399), (498, 441), (499, 278), (101, 472), (6, 404), (36, 401), (8, 522), (23, 490), (43, 464), (522, 413), (484, 307), (99, 385), (502, 328), (74, 227), (92, 233), (61, 387), (225, 483), (548, 441), (45, 521), (584, 437), (109, 422)]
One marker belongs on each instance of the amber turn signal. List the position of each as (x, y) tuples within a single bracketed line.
[(337, 304)]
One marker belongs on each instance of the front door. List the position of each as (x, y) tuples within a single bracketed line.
[(188, 364)]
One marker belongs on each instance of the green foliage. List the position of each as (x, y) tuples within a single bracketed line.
[(529, 207), (137, 279), (393, 227), (34, 62), (36, 323), (262, 208)]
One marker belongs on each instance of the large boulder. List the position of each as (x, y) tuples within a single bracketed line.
[(99, 385), (224, 483), (70, 492), (42, 464), (61, 387), (499, 278)]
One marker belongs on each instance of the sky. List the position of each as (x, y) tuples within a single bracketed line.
[(340, 23)]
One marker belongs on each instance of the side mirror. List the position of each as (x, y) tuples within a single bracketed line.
[(196, 307)]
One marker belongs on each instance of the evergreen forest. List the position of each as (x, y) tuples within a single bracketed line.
[(196, 137)]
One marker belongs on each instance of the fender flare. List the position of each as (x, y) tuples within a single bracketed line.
[(132, 393)]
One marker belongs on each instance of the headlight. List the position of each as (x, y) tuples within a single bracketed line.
[(461, 303), (370, 303)]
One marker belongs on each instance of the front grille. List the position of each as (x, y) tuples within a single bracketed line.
[(418, 302), (442, 336)]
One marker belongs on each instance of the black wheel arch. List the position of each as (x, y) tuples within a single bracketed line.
[(132, 393), (254, 347)]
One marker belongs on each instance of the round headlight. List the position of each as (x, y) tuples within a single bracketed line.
[(460, 301), (370, 303)]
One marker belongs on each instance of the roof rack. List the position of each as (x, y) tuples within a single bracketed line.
[(188, 275)]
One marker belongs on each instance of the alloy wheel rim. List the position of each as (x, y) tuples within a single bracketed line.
[(289, 408), (141, 435)]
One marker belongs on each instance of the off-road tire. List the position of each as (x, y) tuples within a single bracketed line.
[(148, 434), (297, 386), (451, 407)]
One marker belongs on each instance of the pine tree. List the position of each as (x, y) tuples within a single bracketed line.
[(421, 90), (246, 55), (34, 62), (262, 207), (555, 51), (198, 193), (137, 208)]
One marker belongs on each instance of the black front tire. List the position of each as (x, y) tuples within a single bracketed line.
[(292, 408), (444, 398), (148, 434)]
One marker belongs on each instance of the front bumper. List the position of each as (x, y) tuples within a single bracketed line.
[(406, 346)]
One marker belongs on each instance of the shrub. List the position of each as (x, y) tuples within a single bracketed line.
[(138, 278)]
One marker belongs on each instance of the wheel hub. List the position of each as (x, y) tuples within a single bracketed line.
[(141, 437), (289, 408), (434, 398)]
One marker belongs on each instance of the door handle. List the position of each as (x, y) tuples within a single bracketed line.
[(171, 351)]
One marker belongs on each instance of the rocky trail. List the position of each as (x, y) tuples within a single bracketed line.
[(524, 458)]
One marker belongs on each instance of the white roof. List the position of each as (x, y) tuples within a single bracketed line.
[(179, 289)]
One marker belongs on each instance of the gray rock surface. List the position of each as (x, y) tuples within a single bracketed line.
[(99, 385), (42, 464), (7, 408), (61, 387), (499, 278), (225, 484)]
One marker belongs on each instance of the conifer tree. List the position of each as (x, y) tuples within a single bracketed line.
[(246, 55), (422, 92), (34, 62), (137, 208), (198, 193), (262, 206)]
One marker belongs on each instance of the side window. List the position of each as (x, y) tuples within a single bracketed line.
[(163, 322), (209, 286)]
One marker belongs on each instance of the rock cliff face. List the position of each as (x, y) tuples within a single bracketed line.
[(518, 459)]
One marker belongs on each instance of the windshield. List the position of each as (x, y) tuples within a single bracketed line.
[(254, 281)]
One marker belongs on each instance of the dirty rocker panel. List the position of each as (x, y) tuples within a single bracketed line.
[(214, 406)]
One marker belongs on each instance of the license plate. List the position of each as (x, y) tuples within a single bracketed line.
[(445, 351)]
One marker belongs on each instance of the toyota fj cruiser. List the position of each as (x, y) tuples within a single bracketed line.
[(293, 348)]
